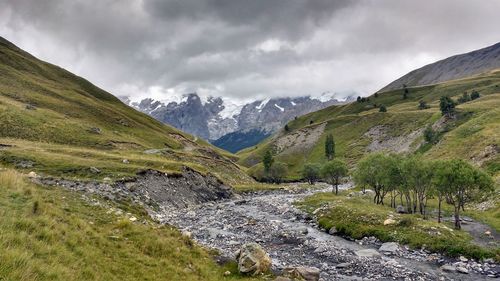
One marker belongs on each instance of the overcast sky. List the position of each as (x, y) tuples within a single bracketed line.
[(246, 48)]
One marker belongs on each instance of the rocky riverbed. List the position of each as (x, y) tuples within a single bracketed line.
[(292, 238)]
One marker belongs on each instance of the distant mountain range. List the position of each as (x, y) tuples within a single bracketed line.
[(228, 125), (455, 67)]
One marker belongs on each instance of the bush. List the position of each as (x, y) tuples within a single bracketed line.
[(430, 135), (422, 105), (447, 106), (475, 95), (382, 108)]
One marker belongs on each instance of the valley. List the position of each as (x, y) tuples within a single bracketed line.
[(398, 184)]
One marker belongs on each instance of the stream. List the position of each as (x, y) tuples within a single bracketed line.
[(292, 239)]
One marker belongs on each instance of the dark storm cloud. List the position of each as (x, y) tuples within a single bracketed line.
[(241, 49)]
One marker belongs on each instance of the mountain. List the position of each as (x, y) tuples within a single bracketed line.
[(214, 118), (236, 141), (359, 127), (455, 67), (56, 123)]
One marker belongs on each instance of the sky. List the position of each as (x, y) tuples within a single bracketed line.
[(245, 50)]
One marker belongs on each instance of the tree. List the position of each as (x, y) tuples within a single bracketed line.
[(422, 105), (382, 108), (311, 172), (376, 95), (287, 128), (333, 171), (358, 99), (372, 171), (329, 147), (268, 161), (460, 183), (447, 106), (418, 178), (475, 95), (277, 172), (405, 92), (430, 135)]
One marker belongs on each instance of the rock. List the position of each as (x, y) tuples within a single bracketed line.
[(462, 270), (132, 219), (463, 259), (448, 268), (94, 170), (107, 179), (25, 164), (281, 278), (95, 130), (253, 260), (302, 273), (30, 107), (369, 253), (333, 230), (125, 161), (303, 230), (389, 222), (227, 273), (32, 175), (343, 265), (186, 234), (389, 247), (400, 209)]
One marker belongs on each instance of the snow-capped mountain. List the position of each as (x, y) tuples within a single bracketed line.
[(213, 118)]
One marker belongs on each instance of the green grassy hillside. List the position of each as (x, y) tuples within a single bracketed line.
[(56, 123), (359, 127), (54, 234)]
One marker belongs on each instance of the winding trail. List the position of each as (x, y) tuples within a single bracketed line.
[(292, 239)]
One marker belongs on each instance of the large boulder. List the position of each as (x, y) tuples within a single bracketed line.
[(252, 259), (302, 273), (389, 248)]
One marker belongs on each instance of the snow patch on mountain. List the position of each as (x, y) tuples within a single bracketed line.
[(279, 107)]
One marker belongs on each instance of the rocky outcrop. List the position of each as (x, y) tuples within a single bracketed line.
[(253, 260), (155, 189)]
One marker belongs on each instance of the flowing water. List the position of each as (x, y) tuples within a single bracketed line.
[(293, 239)]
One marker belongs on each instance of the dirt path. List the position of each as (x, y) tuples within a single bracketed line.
[(292, 239)]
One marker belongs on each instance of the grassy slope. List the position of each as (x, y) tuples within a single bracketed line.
[(68, 238), (57, 137), (358, 217), (348, 123)]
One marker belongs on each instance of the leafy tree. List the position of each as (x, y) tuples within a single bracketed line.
[(329, 147), (405, 92), (268, 161), (382, 108), (475, 94), (460, 183), (417, 175), (422, 105), (311, 172), (333, 171), (277, 172), (430, 135), (464, 98), (372, 171), (447, 106)]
